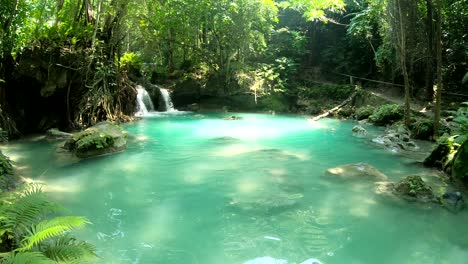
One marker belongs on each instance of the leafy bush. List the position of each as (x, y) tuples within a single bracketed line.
[(387, 114), (364, 112), (131, 62), (29, 233), (275, 103), (328, 91)]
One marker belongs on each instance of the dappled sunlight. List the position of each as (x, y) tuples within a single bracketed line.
[(248, 185), (232, 191), (235, 150)]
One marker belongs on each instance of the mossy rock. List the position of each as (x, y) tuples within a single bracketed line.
[(387, 114), (364, 112), (6, 173), (422, 128), (414, 188), (345, 112), (460, 162), (103, 138)]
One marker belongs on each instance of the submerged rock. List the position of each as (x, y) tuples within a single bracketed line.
[(359, 130), (266, 201), (226, 140), (358, 171), (55, 134), (453, 201), (103, 138), (232, 118)]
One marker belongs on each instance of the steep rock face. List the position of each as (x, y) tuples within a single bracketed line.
[(46, 88), (101, 139), (186, 92)]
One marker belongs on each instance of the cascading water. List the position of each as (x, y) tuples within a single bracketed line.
[(144, 103), (165, 101)]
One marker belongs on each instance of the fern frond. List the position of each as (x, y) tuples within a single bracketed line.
[(71, 251), (51, 228), (25, 208), (27, 258)]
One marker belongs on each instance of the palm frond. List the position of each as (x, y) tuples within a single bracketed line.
[(27, 258), (71, 251), (51, 228)]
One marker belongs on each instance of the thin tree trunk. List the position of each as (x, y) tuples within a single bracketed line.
[(402, 45), (96, 25), (430, 51), (438, 94)]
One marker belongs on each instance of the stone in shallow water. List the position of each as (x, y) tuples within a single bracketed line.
[(358, 171), (103, 138), (55, 134)]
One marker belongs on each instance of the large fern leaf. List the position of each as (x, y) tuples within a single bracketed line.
[(25, 208), (47, 229), (27, 258), (71, 251)]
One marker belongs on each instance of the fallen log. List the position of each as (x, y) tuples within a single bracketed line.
[(327, 113)]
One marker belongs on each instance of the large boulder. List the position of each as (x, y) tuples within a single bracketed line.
[(396, 138), (358, 171), (103, 138)]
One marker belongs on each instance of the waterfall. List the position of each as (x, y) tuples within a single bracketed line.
[(144, 103), (165, 101)]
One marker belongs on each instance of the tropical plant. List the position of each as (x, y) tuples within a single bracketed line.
[(29, 233)]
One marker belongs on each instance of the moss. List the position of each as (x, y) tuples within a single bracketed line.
[(387, 114), (6, 172), (364, 112), (422, 128), (413, 186), (460, 162), (100, 139)]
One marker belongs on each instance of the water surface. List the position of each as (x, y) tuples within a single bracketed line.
[(200, 189)]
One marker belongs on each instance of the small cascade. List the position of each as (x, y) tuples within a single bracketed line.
[(165, 102), (144, 103)]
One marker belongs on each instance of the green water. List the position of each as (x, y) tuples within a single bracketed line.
[(207, 190)]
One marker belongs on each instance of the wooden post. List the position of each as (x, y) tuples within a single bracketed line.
[(351, 80)]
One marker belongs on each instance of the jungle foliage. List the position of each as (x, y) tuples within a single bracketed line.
[(90, 51)]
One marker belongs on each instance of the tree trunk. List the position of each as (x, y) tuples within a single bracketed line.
[(438, 95), (402, 46), (430, 51)]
